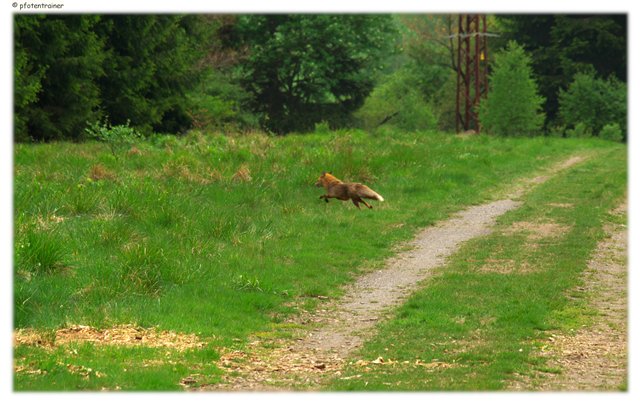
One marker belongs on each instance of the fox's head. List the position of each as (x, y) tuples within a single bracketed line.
[(325, 178)]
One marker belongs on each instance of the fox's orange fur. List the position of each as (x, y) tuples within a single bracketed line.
[(346, 190)]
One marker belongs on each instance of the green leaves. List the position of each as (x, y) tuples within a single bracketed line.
[(397, 103), (303, 69), (562, 45), (58, 62), (146, 80), (118, 137), (513, 106), (73, 69), (594, 103)]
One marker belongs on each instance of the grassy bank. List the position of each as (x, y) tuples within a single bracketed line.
[(216, 236)]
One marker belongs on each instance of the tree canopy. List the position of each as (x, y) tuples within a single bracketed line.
[(75, 69), (287, 73), (562, 45), (302, 69)]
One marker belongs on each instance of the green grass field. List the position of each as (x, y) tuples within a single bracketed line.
[(219, 236)]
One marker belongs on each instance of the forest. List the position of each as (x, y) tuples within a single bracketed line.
[(79, 76)]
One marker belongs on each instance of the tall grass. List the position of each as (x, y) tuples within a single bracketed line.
[(161, 226)]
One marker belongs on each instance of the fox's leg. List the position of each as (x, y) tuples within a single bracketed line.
[(325, 197), (355, 202), (365, 203)]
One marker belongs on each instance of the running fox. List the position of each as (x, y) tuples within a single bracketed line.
[(346, 190)]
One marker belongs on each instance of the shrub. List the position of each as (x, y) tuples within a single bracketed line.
[(444, 105), (612, 132), (513, 106), (118, 138), (397, 103), (594, 102), (557, 131), (322, 127), (580, 130)]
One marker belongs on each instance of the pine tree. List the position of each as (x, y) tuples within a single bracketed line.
[(150, 68), (64, 56), (513, 106)]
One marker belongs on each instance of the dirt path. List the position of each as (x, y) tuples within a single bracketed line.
[(595, 357), (342, 326)]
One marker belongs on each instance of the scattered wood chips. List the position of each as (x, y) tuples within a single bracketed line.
[(125, 335)]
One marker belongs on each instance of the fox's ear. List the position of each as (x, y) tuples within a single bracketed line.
[(330, 173), (324, 172)]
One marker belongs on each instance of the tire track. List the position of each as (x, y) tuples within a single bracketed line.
[(342, 326)]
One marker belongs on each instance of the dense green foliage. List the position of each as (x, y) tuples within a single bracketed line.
[(58, 60), (429, 56), (397, 103), (580, 130), (303, 69), (150, 67), (77, 69), (594, 103), (513, 106), (219, 102), (563, 45), (27, 80), (611, 132), (280, 73)]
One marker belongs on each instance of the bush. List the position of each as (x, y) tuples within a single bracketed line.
[(556, 131), (612, 132), (444, 105), (513, 106), (322, 128), (594, 102), (397, 103), (580, 130), (118, 138)]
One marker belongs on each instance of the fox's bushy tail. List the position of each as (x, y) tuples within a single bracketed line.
[(371, 194)]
